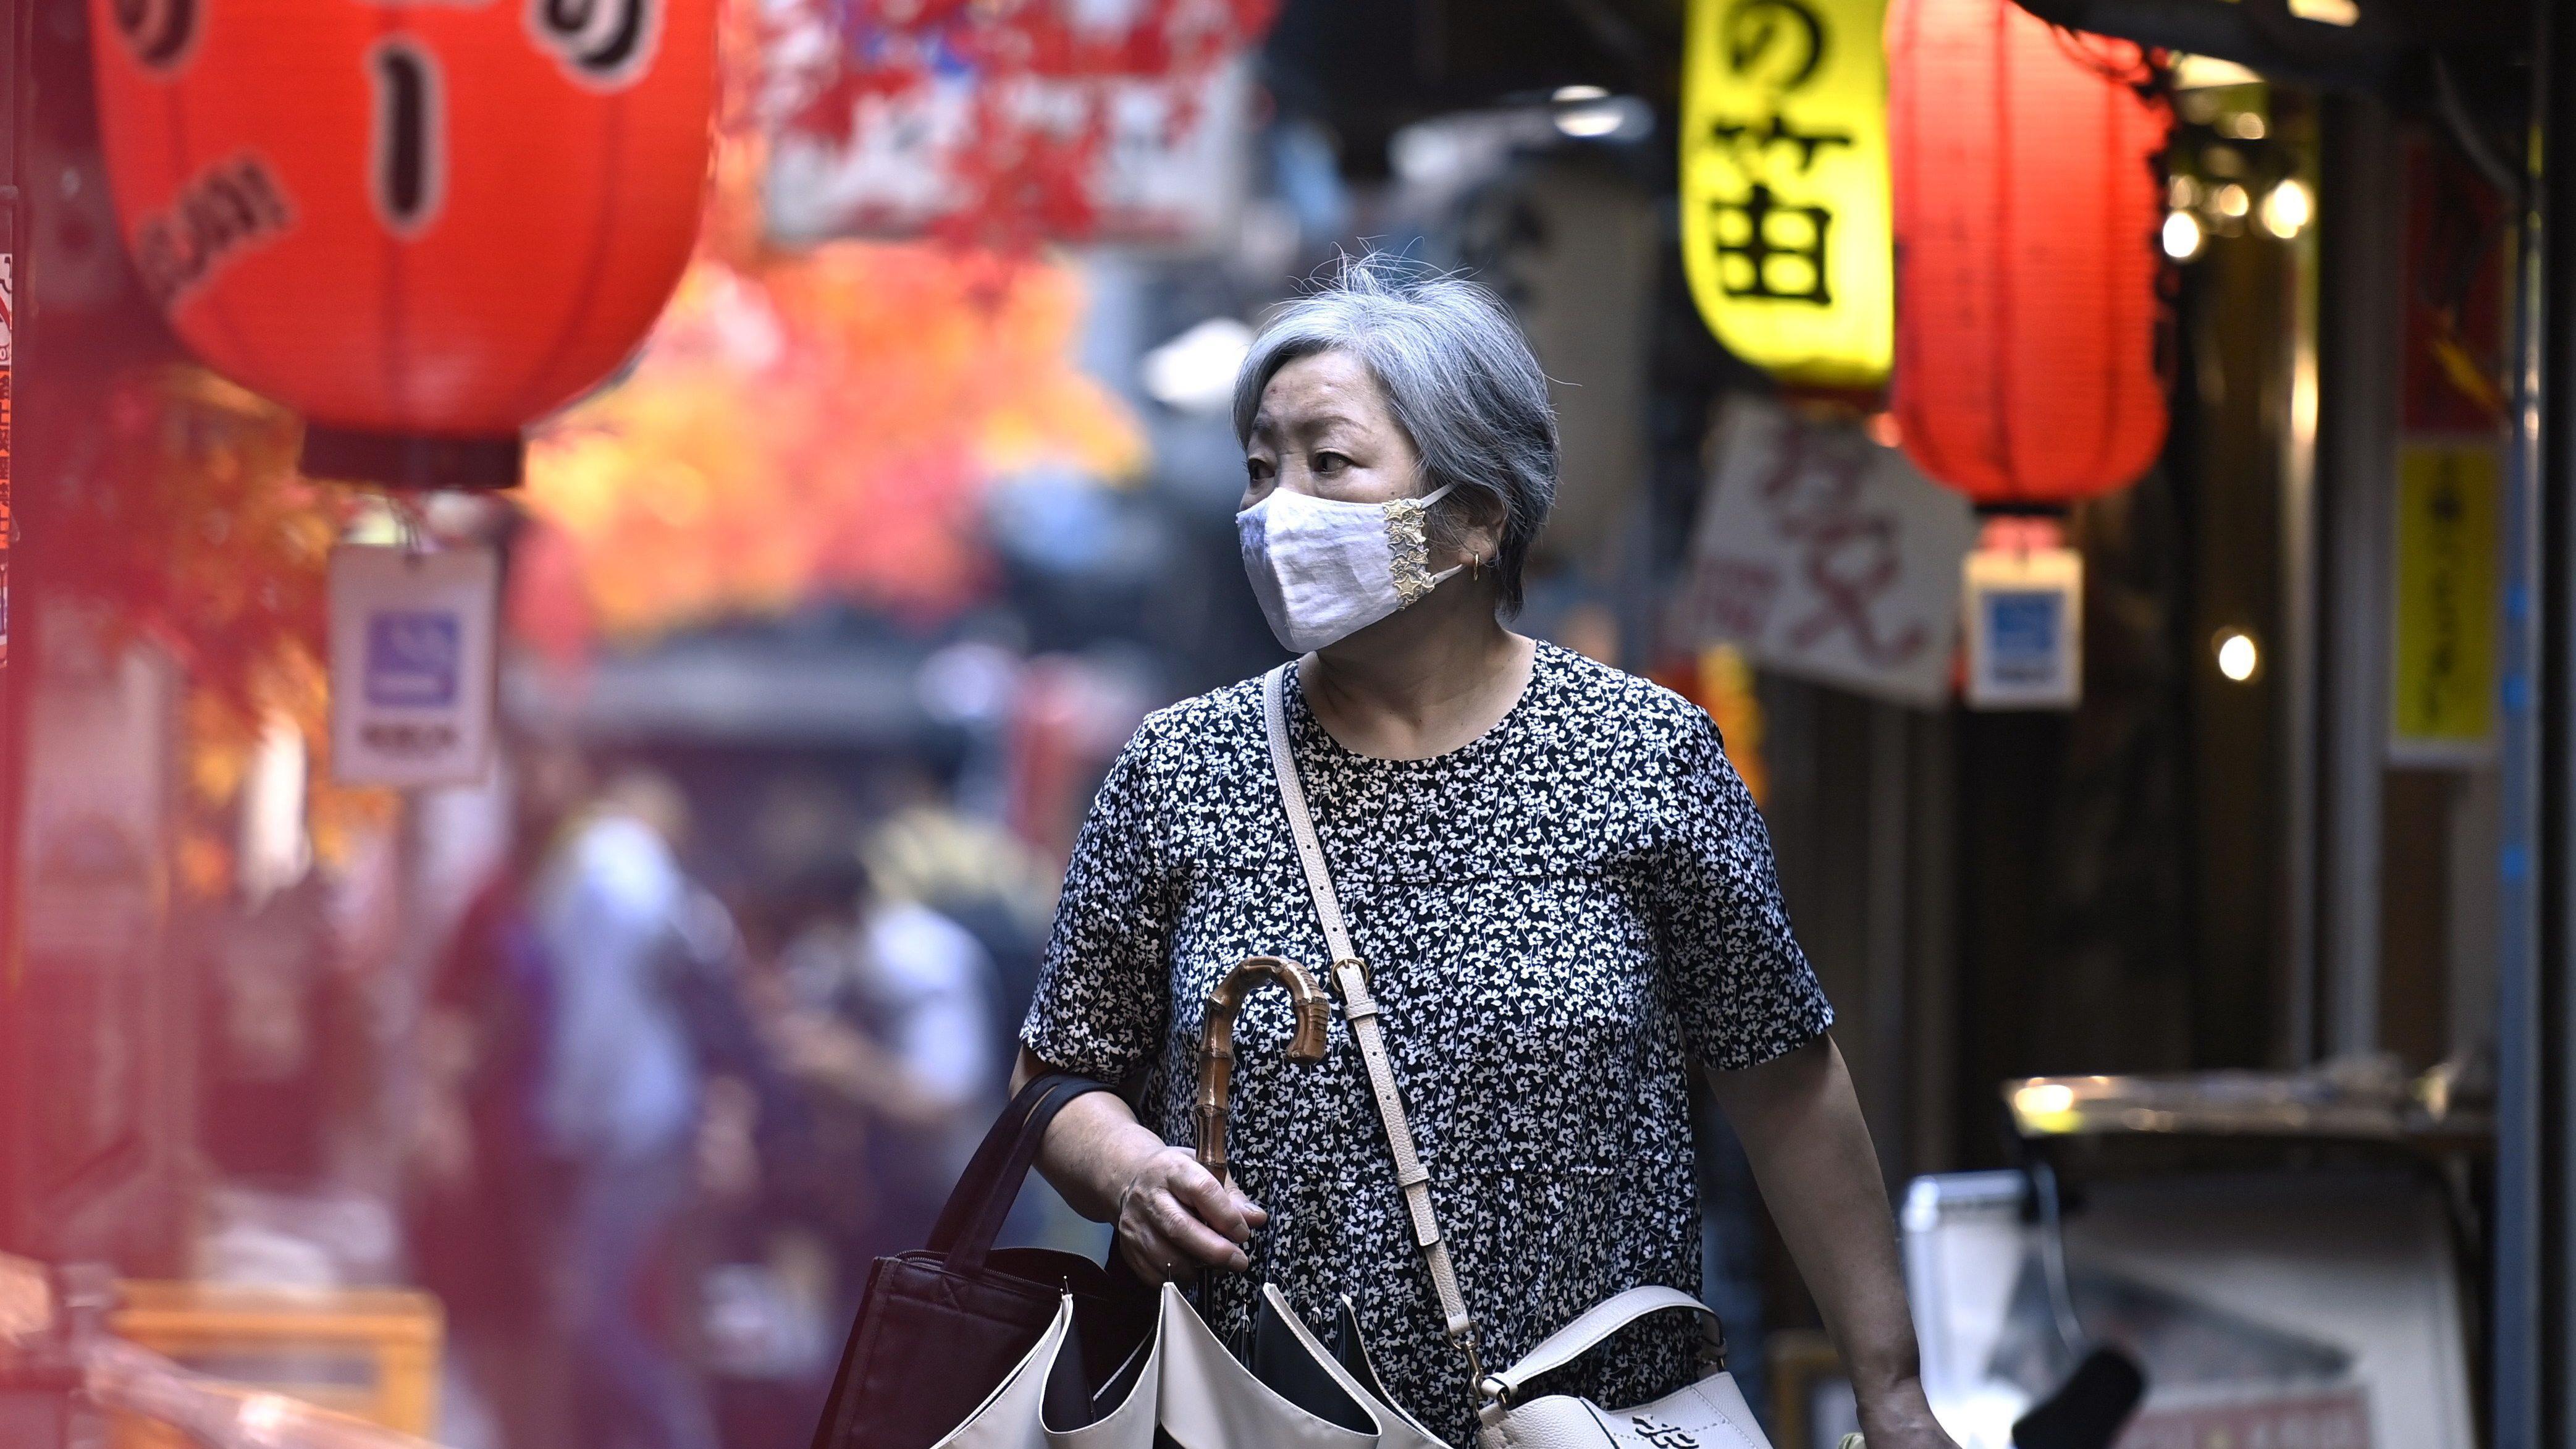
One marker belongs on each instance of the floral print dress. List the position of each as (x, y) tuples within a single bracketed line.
[(1559, 918)]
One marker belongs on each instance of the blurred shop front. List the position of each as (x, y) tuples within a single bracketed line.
[(2104, 465)]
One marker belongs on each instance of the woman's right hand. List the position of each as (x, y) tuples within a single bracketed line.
[(1175, 1218)]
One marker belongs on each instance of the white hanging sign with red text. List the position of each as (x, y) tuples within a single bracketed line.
[(1825, 556)]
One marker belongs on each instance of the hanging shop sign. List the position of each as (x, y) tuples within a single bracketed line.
[(2026, 202), (1008, 125), (412, 664), (2442, 703), (421, 226), (1825, 556), (1575, 247), (1784, 187), (2025, 594)]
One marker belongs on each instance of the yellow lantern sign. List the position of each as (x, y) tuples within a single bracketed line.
[(1784, 185)]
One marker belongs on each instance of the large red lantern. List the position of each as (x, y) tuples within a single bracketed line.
[(2026, 206), (420, 223)]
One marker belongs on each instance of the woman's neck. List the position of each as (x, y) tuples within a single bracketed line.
[(1422, 682)]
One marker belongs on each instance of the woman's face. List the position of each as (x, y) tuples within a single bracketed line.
[(1324, 429)]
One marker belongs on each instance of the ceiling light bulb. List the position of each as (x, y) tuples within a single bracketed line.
[(1589, 122)]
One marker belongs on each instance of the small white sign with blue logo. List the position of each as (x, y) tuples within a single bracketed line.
[(2025, 628), (412, 664)]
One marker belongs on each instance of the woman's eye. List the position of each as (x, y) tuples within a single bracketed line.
[(1255, 469), (1330, 462)]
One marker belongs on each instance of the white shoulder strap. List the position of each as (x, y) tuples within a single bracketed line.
[(1597, 1323), (1350, 977)]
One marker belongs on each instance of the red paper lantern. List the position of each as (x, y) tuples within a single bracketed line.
[(422, 225), (2026, 209)]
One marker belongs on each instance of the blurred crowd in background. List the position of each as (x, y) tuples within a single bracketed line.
[(681, 1088)]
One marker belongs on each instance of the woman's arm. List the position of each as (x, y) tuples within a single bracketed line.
[(1172, 1215), (1801, 1127)]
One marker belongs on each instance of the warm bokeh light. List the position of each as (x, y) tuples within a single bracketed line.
[(2239, 657), (2045, 1098), (2182, 235), (2288, 209)]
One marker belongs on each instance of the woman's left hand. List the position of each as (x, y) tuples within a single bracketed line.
[(1898, 1417)]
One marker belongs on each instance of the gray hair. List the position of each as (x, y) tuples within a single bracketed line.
[(1457, 375)]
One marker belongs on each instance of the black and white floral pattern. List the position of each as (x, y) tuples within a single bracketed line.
[(1557, 918)]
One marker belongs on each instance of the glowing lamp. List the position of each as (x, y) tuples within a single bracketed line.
[(1784, 188), (2030, 227), (422, 225)]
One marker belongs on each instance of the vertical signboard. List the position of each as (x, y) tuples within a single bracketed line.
[(2442, 702), (1784, 188)]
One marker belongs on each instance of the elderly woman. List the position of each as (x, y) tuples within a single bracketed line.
[(1563, 893)]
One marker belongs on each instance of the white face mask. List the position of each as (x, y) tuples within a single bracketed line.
[(1325, 569)]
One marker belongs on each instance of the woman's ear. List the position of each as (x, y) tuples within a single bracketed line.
[(1486, 520)]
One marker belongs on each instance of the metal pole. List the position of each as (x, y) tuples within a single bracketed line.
[(2530, 1293), (2298, 660), (2554, 987), (17, 30), (2360, 283)]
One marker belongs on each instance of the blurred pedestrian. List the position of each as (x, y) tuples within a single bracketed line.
[(892, 1021), (486, 1210), (973, 872), (621, 1106)]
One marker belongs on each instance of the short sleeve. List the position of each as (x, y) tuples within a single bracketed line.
[(1741, 986), (1104, 989)]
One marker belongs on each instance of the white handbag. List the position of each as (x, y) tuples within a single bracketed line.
[(1708, 1414)]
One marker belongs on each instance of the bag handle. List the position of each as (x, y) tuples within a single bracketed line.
[(1598, 1323), (982, 1199), (1350, 975)]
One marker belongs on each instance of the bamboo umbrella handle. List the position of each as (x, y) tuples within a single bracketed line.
[(1216, 1042)]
